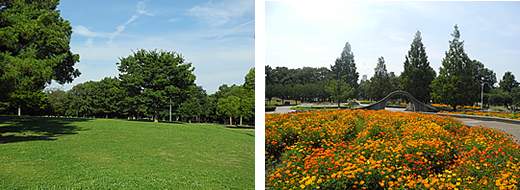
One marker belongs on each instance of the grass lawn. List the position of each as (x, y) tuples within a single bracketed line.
[(63, 153)]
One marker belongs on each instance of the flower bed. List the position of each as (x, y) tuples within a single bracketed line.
[(366, 149), (458, 107), (488, 114)]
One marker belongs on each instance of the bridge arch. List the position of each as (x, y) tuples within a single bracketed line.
[(418, 105)]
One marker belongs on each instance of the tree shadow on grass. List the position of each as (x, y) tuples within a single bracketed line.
[(160, 121), (27, 128), (240, 127)]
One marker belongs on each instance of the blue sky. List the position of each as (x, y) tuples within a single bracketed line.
[(216, 36), (313, 34)]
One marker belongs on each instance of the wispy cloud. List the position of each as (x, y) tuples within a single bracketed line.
[(84, 31), (231, 31), (215, 15), (174, 19), (140, 11)]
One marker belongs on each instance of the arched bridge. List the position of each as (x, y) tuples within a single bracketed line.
[(417, 105)]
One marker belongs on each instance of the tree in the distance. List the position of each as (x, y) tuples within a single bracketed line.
[(417, 74), (508, 82), (344, 68), (380, 84), (455, 84), (339, 90), (480, 72), (229, 107), (158, 76)]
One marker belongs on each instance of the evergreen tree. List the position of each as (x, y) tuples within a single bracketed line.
[(344, 68), (380, 84), (455, 84), (417, 74), (34, 50), (508, 82)]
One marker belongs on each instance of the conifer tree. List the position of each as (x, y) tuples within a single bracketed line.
[(344, 68), (455, 84), (417, 74)]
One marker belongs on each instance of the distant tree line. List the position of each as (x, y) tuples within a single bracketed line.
[(149, 82), (459, 81)]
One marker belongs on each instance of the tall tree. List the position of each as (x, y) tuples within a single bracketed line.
[(159, 76), (508, 82), (417, 74), (34, 49), (455, 84), (380, 84), (344, 68)]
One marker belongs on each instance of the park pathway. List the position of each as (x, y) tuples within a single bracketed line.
[(282, 109)]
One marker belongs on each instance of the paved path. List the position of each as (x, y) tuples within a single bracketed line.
[(282, 109)]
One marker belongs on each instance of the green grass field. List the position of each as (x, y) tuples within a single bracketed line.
[(62, 153)]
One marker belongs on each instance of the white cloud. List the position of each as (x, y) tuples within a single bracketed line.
[(84, 31), (140, 9), (89, 42), (174, 20), (215, 15)]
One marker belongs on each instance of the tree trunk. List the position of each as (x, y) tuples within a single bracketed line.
[(230, 121), (240, 120), (155, 116), (19, 109)]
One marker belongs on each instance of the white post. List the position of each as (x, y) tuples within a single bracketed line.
[(482, 96), (170, 109)]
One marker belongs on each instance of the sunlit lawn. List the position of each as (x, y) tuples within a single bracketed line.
[(59, 153)]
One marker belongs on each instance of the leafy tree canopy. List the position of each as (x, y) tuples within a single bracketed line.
[(455, 84), (34, 46), (157, 77), (508, 82)]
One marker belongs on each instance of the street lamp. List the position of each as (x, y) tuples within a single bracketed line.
[(482, 96)]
